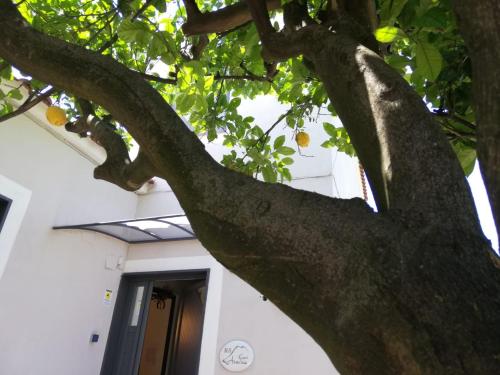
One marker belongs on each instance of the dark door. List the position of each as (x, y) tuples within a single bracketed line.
[(157, 325), (127, 328)]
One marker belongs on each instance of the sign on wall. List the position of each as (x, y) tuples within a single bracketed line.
[(236, 356), (108, 296)]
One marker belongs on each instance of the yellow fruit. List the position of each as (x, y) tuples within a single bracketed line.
[(56, 116), (302, 139)]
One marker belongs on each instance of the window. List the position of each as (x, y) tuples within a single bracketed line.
[(4, 209), (14, 200)]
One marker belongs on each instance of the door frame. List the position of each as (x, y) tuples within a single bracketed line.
[(123, 307)]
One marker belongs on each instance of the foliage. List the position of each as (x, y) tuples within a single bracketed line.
[(419, 39)]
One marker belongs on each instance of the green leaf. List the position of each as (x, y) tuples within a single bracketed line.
[(168, 58), (235, 102), (330, 129), (269, 174), (184, 102), (286, 174), (390, 10), (160, 5), (327, 144), (398, 62), (257, 157), (6, 72), (466, 156), (287, 161), (211, 134), (434, 18), (429, 60), (284, 150), (135, 32), (387, 34), (157, 47), (279, 141), (15, 94)]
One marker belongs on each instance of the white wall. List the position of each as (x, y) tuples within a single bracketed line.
[(52, 291), (53, 286), (280, 346)]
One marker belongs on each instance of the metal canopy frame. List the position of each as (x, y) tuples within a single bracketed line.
[(181, 231)]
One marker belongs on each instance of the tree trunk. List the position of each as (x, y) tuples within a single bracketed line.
[(409, 290), (480, 26)]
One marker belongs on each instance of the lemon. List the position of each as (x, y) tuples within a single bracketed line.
[(56, 116), (302, 139)]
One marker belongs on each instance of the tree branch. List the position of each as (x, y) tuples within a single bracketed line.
[(335, 267), (192, 9), (390, 119), (271, 235), (117, 168), (260, 16), (455, 117), (249, 76), (27, 105), (242, 77), (223, 19), (363, 11), (198, 47), (150, 77)]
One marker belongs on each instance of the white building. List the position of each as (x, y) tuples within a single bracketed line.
[(59, 288)]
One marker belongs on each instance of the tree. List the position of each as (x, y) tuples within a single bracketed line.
[(412, 288)]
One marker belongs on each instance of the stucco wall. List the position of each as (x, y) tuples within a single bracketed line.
[(52, 290), (280, 346)]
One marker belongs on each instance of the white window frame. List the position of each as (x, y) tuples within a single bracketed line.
[(20, 197)]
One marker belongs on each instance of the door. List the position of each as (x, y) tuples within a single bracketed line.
[(127, 328), (157, 325)]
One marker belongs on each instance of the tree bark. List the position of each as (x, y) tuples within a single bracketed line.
[(409, 290), (480, 27), (223, 19)]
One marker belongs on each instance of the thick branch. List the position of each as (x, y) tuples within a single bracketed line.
[(129, 176), (478, 21), (198, 47), (363, 11), (223, 19), (260, 15), (295, 15), (390, 120), (117, 168), (273, 236), (358, 282), (192, 9)]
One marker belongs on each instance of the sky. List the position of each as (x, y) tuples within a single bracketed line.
[(483, 206)]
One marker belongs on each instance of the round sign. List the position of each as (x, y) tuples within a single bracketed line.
[(236, 356)]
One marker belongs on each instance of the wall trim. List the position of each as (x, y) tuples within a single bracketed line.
[(20, 197)]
